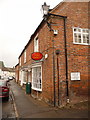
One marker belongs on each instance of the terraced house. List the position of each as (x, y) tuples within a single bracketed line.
[(5, 72), (63, 38)]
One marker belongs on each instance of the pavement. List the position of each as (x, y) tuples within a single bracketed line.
[(28, 107)]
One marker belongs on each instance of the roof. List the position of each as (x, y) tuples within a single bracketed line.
[(32, 36), (57, 6), (42, 22), (1, 64), (11, 69), (6, 68), (16, 64)]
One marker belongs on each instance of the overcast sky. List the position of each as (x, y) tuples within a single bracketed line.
[(18, 21)]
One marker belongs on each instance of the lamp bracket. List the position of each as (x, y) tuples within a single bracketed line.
[(49, 25)]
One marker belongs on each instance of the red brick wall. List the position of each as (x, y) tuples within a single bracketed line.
[(77, 16), (17, 73)]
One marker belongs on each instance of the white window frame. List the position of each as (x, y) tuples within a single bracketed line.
[(25, 56), (24, 73), (81, 33), (36, 44), (34, 88)]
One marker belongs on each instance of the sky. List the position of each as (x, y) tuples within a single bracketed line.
[(18, 21)]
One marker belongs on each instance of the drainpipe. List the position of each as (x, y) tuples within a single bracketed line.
[(66, 61), (54, 76), (57, 53)]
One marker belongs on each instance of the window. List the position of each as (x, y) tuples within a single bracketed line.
[(36, 78), (24, 76), (25, 56), (36, 44), (81, 36)]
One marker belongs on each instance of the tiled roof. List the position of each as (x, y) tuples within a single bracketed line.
[(11, 69), (6, 68)]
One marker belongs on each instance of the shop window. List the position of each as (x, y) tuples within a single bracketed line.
[(36, 78)]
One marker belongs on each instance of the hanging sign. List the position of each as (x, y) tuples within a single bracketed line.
[(36, 56)]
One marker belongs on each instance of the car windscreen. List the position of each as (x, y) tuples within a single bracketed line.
[(2, 83)]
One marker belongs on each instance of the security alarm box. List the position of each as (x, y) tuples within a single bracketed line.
[(55, 32)]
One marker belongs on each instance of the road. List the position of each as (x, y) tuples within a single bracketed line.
[(8, 108), (21, 105)]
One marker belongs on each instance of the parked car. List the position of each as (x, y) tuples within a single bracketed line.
[(11, 78), (4, 89), (4, 78)]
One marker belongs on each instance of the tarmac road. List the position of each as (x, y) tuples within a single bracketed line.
[(8, 108)]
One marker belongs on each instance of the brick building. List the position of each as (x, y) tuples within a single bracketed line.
[(17, 73), (63, 38), (5, 72)]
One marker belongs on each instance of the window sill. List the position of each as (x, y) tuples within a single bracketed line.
[(24, 83), (37, 89), (81, 43)]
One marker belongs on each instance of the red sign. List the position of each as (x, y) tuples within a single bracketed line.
[(36, 56)]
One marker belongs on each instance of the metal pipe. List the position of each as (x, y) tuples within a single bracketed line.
[(66, 61), (54, 76), (57, 15), (58, 80)]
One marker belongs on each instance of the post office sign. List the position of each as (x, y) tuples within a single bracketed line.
[(36, 56)]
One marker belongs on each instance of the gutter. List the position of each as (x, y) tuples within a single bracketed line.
[(57, 15)]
